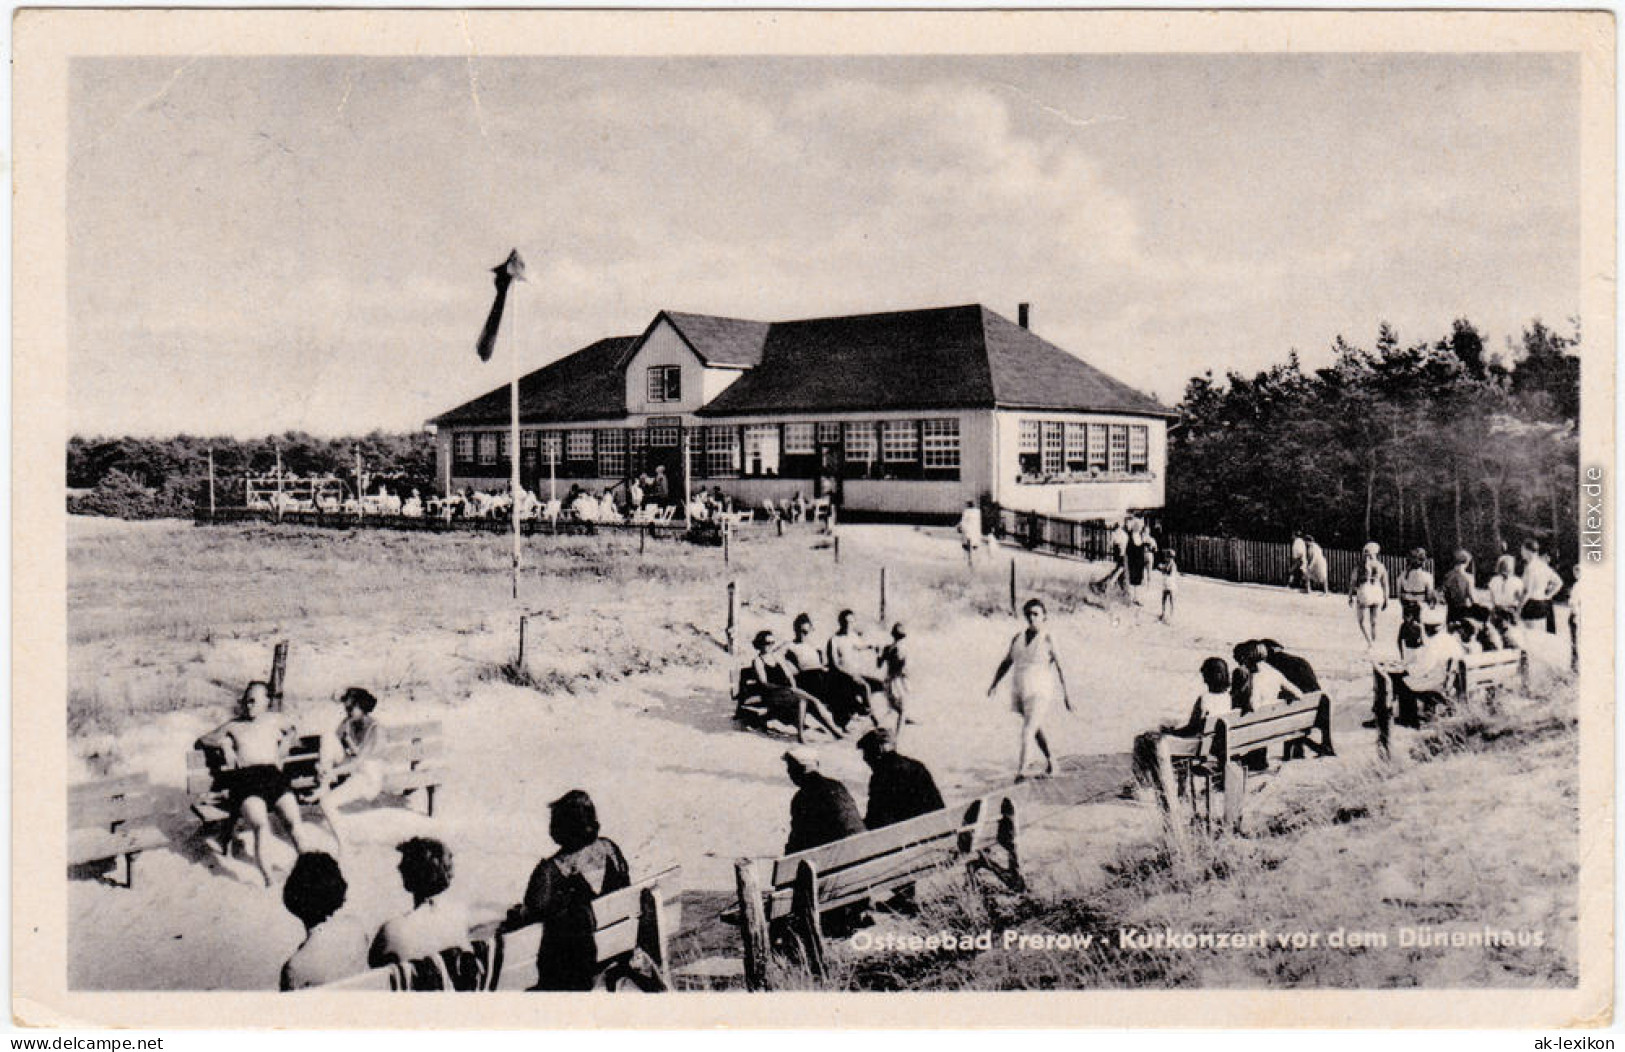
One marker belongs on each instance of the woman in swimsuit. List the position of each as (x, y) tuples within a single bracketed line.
[(351, 770), (253, 747), (1368, 593), (1033, 684), (775, 686)]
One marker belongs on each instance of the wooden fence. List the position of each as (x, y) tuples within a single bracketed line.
[(1227, 558)]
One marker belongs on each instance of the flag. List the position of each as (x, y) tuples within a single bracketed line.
[(512, 269)]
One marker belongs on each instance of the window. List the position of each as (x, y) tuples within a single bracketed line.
[(899, 442), (464, 447), (551, 449), (829, 432), (762, 449), (527, 446), (860, 443), (721, 451), (939, 444), (798, 439), (1138, 451), (1077, 447), (611, 454), (1097, 447), (663, 431), (665, 383), (578, 446), (1119, 448), (1053, 459), (1027, 446), (504, 444), (488, 447)]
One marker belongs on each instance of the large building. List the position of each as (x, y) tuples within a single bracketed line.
[(909, 413)]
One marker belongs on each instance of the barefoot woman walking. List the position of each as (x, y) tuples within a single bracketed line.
[(1035, 681)]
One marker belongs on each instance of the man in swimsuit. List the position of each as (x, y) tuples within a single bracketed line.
[(253, 747), (853, 659)]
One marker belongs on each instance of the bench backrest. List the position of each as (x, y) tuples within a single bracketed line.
[(1265, 726), (866, 864), (1493, 666), (109, 803), (618, 922)]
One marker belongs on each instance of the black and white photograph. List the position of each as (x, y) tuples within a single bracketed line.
[(1034, 508)]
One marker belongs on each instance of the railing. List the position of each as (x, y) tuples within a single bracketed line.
[(1226, 558)]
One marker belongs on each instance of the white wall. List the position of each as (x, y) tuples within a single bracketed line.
[(665, 347), (1079, 500)]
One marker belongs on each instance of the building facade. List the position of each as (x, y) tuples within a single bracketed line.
[(906, 414)]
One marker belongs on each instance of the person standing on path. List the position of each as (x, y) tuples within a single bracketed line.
[(1035, 680), (1368, 593)]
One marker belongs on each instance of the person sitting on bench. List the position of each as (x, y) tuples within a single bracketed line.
[(335, 947), (900, 787), (1213, 703), (772, 683), (561, 889), (1420, 686), (438, 921), (851, 661), (350, 767), (253, 747), (822, 811)]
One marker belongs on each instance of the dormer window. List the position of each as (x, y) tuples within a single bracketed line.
[(665, 383)]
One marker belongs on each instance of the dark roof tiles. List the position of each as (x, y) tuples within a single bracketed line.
[(586, 385)]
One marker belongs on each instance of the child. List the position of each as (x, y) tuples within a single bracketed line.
[(1168, 565), (894, 663)]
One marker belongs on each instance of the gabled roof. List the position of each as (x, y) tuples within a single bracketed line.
[(719, 341), (586, 385), (943, 358), (1029, 372)]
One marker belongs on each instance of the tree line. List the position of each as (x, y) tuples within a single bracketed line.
[(1436, 444), (140, 478)]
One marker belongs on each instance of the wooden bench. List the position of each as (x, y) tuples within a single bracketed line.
[(1217, 757), (800, 889), (112, 819), (410, 754), (641, 917), (1489, 671)]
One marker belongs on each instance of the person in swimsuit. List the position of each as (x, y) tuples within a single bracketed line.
[(894, 663), (350, 767), (335, 947), (1168, 566), (852, 661), (1036, 676), (438, 920), (1415, 587), (1368, 593), (252, 748), (773, 685)]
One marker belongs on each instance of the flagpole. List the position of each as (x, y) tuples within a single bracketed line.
[(513, 452)]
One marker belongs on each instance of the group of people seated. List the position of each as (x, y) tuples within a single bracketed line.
[(558, 896), (829, 684), (823, 811), (250, 753), (1261, 673)]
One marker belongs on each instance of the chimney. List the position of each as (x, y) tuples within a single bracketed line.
[(1022, 312)]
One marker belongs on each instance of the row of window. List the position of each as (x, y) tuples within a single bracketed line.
[(868, 449), (1048, 448)]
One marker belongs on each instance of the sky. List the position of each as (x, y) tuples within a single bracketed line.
[(259, 245)]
